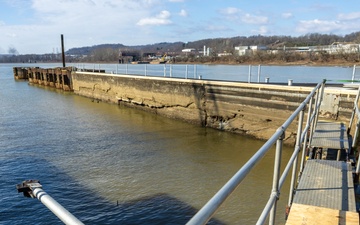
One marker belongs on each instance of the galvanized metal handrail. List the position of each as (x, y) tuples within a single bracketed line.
[(209, 209), (355, 113), (33, 188)]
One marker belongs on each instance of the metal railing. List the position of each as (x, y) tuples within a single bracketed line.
[(354, 74), (250, 74), (302, 140), (355, 115), (33, 189)]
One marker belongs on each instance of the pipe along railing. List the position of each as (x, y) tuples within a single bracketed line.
[(33, 189), (302, 140)]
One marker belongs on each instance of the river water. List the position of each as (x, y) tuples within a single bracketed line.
[(108, 164)]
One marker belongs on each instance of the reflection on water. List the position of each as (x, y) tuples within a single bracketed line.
[(110, 163)]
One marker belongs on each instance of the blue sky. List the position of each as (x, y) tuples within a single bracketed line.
[(35, 26)]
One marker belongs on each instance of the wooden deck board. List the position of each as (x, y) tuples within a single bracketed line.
[(314, 215)]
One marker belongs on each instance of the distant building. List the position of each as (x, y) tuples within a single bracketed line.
[(188, 50), (243, 50), (224, 54)]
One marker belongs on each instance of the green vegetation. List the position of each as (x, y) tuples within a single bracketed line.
[(277, 51)]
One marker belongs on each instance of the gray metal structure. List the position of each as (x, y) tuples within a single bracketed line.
[(334, 192), (209, 209), (33, 188)]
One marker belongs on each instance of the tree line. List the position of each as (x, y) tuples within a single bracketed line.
[(111, 52)]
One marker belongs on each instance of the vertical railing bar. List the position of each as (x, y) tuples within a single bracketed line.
[(259, 71), (249, 78), (353, 74), (170, 70), (354, 110), (186, 72), (305, 142), (207, 211), (314, 117), (297, 148), (276, 176)]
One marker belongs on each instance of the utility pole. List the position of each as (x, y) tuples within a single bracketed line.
[(63, 50)]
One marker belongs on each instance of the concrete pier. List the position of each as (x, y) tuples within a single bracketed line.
[(59, 78), (252, 109)]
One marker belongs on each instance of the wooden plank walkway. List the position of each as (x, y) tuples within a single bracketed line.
[(325, 193)]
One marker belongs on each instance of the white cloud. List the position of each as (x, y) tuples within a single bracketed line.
[(161, 19), (322, 26), (251, 19), (262, 30), (349, 16), (11, 35), (214, 28), (287, 15), (183, 13), (230, 11)]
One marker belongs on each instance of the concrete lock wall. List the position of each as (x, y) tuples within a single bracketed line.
[(252, 109)]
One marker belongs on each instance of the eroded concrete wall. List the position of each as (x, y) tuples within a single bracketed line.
[(252, 109)]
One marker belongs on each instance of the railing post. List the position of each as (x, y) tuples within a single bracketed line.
[(126, 69), (354, 110), (145, 70), (117, 68), (356, 134), (312, 127), (276, 177), (305, 143), (259, 71), (186, 71), (195, 72), (297, 148), (353, 74), (170, 70), (164, 70), (249, 78)]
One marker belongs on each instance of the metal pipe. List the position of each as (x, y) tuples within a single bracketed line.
[(195, 71), (305, 141), (297, 148), (170, 70), (64, 215), (208, 210), (249, 78), (259, 71), (33, 188), (267, 209), (354, 112), (275, 186), (313, 118), (164, 70), (353, 74)]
